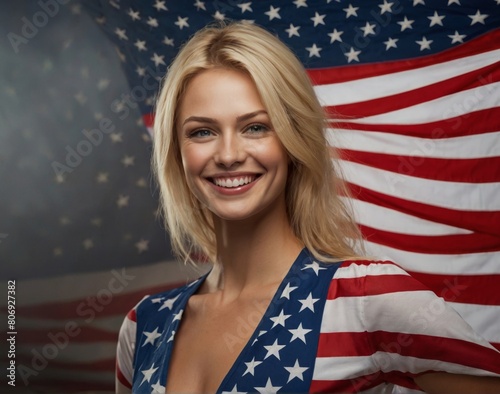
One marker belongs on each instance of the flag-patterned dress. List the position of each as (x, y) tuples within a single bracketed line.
[(353, 326)]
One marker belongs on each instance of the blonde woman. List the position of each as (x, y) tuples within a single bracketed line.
[(246, 179)]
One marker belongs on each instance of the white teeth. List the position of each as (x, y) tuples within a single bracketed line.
[(236, 182)]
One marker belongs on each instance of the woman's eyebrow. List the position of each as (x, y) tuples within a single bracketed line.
[(240, 118)]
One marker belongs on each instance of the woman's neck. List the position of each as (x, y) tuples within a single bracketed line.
[(253, 253)]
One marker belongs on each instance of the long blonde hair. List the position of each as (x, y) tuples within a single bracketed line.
[(317, 214)]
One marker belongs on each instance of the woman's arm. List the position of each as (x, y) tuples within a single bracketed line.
[(442, 382)]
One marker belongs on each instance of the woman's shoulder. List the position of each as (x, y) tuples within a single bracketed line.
[(163, 301)]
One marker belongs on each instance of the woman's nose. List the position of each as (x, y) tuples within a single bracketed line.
[(230, 150)]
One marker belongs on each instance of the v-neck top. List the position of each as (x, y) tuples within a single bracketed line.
[(330, 327)]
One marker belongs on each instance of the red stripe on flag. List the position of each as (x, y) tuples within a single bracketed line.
[(433, 244), (470, 80), (472, 123), (481, 170), (482, 222), (467, 289), (484, 43), (370, 285)]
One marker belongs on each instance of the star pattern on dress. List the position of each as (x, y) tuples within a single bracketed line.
[(169, 303), (280, 319), (287, 290), (296, 372), (268, 389), (148, 374), (299, 333), (251, 366), (274, 350), (314, 265), (308, 303), (151, 337)]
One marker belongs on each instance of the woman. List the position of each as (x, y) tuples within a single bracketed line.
[(246, 179)]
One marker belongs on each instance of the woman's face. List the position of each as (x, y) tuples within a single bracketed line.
[(233, 161)]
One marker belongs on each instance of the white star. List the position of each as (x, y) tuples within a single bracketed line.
[(178, 316), (182, 22), (200, 5), (121, 33), (158, 388), (233, 391), (171, 337), (368, 29), (141, 71), (169, 303), (153, 22), (287, 290), (160, 5), (58, 251), (251, 366), (314, 51), (261, 332), (314, 265), (280, 319), (318, 19), (424, 43), (141, 182), (386, 7), (103, 83), (268, 389), (88, 244), (457, 37), (308, 303), (122, 201), (102, 177), (436, 19), (274, 350), (148, 373), (273, 13), (219, 16), (168, 41), (450, 2), (335, 36), (156, 300), (142, 246), (406, 24), (128, 161), (151, 337), (351, 11), (245, 7), (478, 18), (293, 31), (116, 137), (299, 333), (141, 45), (64, 220), (415, 2), (134, 14), (391, 43), (300, 3), (296, 371), (157, 59)]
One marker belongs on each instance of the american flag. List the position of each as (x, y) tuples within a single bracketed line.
[(412, 91)]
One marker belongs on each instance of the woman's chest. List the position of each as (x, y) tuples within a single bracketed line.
[(208, 343)]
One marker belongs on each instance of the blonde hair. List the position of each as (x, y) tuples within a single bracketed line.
[(317, 214)]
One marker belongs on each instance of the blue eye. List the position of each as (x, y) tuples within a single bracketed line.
[(200, 133), (257, 128)]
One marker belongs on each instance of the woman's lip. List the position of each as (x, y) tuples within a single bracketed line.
[(231, 191)]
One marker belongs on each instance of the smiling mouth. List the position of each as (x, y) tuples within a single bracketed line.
[(234, 182)]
